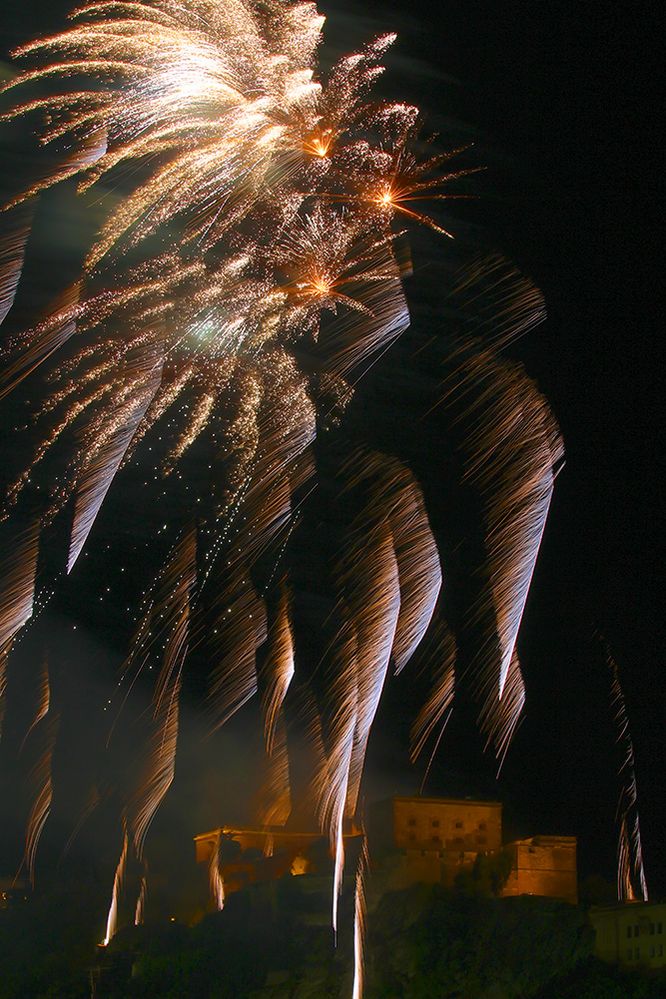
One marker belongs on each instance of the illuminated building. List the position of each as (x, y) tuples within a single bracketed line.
[(438, 838), (266, 854), (543, 865), (429, 840), (450, 824), (631, 934)]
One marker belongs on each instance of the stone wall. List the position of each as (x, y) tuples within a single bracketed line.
[(544, 865)]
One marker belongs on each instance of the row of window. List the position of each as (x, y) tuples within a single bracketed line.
[(634, 953), (435, 823), (442, 854), (457, 840), (635, 930)]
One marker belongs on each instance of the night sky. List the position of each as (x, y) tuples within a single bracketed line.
[(559, 101)]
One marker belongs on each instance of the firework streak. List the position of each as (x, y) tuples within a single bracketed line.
[(631, 882)]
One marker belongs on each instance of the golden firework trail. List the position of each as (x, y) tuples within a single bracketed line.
[(275, 678), (216, 881), (162, 640), (436, 710), (360, 914), (38, 745), (512, 451), (238, 287), (18, 570), (631, 881), (12, 256), (118, 884)]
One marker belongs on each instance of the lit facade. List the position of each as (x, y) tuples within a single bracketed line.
[(631, 934), (440, 837), (543, 865), (267, 854), (266, 841), (451, 824)]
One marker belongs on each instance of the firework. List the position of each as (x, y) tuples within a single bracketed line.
[(275, 678), (511, 451), (12, 256), (360, 922), (39, 743), (631, 882), (18, 569), (438, 706), (215, 878), (228, 305)]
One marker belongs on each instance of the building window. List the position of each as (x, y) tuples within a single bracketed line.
[(459, 825), (411, 822), (435, 823), (651, 951), (436, 839), (659, 925), (412, 836), (629, 931), (481, 840), (458, 841), (660, 950), (482, 825)]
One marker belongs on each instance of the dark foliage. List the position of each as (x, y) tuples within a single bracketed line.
[(274, 942), (426, 942)]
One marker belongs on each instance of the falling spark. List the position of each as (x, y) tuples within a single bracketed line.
[(215, 879), (631, 882), (112, 918), (360, 922), (273, 196), (278, 673), (512, 451), (170, 606), (441, 653), (18, 570), (12, 254)]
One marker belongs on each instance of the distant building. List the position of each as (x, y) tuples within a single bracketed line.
[(430, 840), (631, 934), (440, 837), (266, 854), (452, 824), (543, 865), (266, 840)]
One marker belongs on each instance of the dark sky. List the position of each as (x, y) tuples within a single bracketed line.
[(560, 101)]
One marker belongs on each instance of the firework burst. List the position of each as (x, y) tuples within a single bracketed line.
[(231, 300)]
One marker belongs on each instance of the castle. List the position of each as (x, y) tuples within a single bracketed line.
[(432, 840), (437, 839)]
